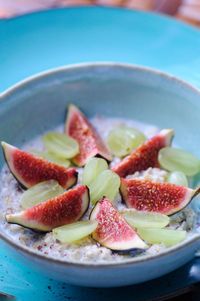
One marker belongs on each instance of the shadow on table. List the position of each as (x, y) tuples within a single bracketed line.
[(24, 283), (176, 283)]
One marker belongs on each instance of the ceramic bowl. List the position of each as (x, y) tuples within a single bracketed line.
[(39, 103)]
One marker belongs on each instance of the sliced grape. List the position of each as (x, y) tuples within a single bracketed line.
[(74, 232), (174, 159), (107, 184), (58, 160), (92, 169), (53, 158), (40, 193), (122, 140), (142, 219), (137, 136), (119, 143), (178, 178), (167, 237), (61, 145)]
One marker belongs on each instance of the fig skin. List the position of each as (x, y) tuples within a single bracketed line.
[(146, 155), (64, 209), (146, 195), (29, 169), (113, 218), (90, 143)]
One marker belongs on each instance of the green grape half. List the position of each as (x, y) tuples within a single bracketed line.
[(51, 157), (174, 159), (167, 237), (40, 193), (122, 140), (75, 231), (92, 169), (107, 184), (61, 145), (178, 178), (137, 136), (142, 219)]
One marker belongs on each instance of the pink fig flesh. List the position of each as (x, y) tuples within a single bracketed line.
[(61, 210), (30, 170), (113, 231), (90, 143), (144, 156), (145, 195)]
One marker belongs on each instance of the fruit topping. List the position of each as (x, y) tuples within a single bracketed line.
[(165, 198), (144, 219), (174, 159), (64, 209), (178, 178), (90, 143), (122, 140), (61, 145), (107, 184), (40, 192), (144, 156), (51, 157), (168, 237), (29, 169), (74, 232), (92, 169), (113, 231)]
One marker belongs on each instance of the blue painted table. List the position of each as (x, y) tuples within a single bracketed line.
[(29, 285), (36, 42)]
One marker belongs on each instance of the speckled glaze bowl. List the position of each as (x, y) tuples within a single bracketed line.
[(39, 103)]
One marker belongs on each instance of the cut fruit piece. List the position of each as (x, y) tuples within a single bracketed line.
[(165, 198), (40, 192), (178, 178), (122, 140), (143, 219), (61, 210), (167, 237), (30, 170), (90, 143), (52, 158), (113, 231), (61, 145), (107, 184), (92, 169), (144, 156), (74, 232), (174, 159)]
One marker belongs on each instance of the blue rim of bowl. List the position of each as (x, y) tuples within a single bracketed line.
[(155, 14), (132, 261)]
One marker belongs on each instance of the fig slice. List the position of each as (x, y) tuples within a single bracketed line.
[(90, 143), (64, 209), (144, 156), (165, 198), (113, 231), (29, 169)]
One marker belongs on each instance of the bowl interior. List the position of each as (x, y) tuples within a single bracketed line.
[(109, 90), (113, 90)]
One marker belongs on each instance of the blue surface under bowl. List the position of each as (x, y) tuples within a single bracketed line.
[(109, 89)]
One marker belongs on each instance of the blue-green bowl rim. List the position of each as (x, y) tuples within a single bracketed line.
[(157, 14), (135, 260)]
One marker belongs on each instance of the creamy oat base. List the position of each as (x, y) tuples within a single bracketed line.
[(86, 250)]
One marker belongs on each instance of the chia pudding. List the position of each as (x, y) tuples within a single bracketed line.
[(86, 250)]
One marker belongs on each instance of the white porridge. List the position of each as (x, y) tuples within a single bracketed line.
[(86, 250)]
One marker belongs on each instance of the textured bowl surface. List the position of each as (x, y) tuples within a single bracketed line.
[(114, 90)]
